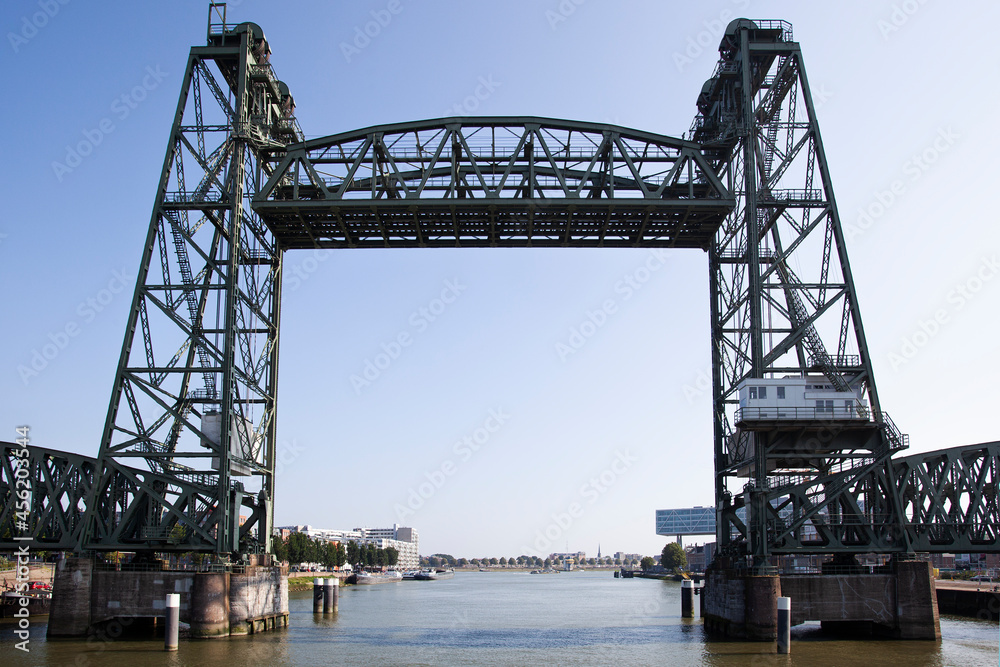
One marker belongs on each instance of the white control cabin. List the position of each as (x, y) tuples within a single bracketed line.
[(811, 397)]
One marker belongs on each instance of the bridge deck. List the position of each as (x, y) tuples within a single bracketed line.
[(494, 182)]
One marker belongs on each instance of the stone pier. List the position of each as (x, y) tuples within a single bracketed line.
[(898, 601), (212, 604)]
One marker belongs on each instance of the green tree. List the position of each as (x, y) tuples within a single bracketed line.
[(647, 562), (279, 548), (673, 556), (298, 548), (391, 556), (503, 561), (353, 553)]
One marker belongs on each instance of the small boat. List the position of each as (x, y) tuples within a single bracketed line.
[(377, 577), (431, 575), (39, 602), (411, 574)]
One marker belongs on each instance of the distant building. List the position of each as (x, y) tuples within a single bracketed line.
[(622, 556), (576, 556), (403, 539), (699, 556), (686, 521)]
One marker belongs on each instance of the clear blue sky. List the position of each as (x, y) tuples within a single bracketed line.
[(889, 87)]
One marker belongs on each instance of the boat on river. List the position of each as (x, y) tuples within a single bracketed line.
[(431, 575), (377, 577)]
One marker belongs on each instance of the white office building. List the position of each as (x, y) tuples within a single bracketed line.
[(403, 539)]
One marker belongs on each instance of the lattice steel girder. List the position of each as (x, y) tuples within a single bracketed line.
[(195, 402), (519, 181), (61, 485), (949, 505), (58, 485), (783, 297)]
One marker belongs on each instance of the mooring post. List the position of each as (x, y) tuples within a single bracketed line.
[(336, 594), (328, 595), (687, 599), (317, 596), (784, 625), (172, 633)]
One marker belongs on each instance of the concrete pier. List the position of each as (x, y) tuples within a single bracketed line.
[(69, 615), (898, 602), (741, 605), (213, 604), (209, 610)]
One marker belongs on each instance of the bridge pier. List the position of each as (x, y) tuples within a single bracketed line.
[(251, 599), (896, 601)]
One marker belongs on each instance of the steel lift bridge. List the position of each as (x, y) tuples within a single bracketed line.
[(189, 441)]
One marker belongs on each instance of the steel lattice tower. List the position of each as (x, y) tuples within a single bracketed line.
[(194, 395), (784, 304)]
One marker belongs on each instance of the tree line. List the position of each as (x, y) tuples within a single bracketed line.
[(300, 548)]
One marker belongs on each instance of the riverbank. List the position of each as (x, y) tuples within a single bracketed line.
[(968, 598)]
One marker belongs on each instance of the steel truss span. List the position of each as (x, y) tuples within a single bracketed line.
[(187, 457), (949, 500), (475, 182)]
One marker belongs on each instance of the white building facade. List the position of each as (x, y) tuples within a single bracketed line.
[(403, 539)]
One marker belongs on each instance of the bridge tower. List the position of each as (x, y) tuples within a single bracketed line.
[(186, 461), (812, 456)]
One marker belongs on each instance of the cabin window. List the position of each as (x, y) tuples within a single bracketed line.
[(824, 406), (753, 393), (849, 406), (781, 392), (762, 391)]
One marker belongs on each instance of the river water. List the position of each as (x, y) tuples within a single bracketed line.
[(478, 618)]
